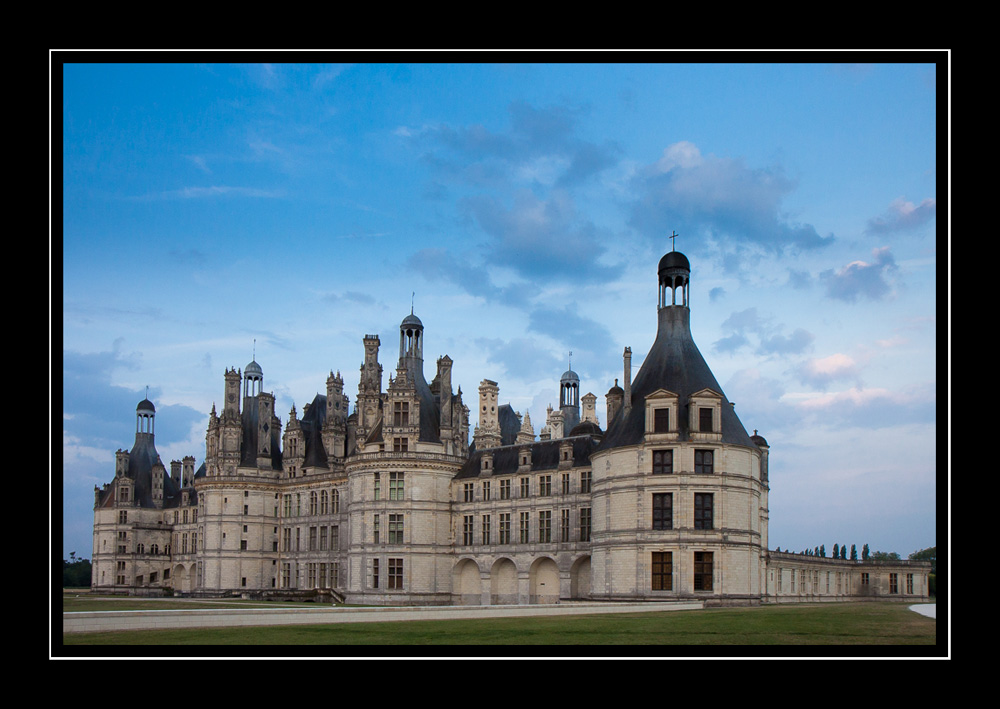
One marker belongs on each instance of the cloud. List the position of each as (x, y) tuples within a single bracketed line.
[(875, 407), (718, 199), (521, 357), (821, 372), (541, 238), (539, 146), (861, 279), (588, 339), (902, 216), (211, 192), (748, 325)]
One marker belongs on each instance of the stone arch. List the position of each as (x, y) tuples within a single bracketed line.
[(467, 582), (579, 578), (181, 579), (503, 583), (543, 581)]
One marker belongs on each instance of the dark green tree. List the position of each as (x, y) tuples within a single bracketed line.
[(854, 552), (822, 550), (76, 572), (864, 553), (836, 551)]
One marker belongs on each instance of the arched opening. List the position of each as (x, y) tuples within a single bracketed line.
[(503, 583), (467, 584), (543, 580)]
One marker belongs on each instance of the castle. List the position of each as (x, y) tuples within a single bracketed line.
[(391, 504)]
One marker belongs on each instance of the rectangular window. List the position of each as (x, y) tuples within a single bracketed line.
[(704, 462), (401, 413), (585, 524), (565, 483), (469, 491), (585, 478), (545, 526), (467, 530), (909, 584), (703, 510), (663, 571), (243, 545), (486, 490), (705, 420), (545, 485), (375, 529), (395, 529), (661, 420), (663, 462), (525, 529), (395, 486), (703, 571), (893, 583), (504, 528), (288, 505), (564, 525), (663, 510), (486, 529), (322, 538), (400, 445), (505, 489), (312, 539), (374, 573), (525, 487), (378, 486), (395, 574)]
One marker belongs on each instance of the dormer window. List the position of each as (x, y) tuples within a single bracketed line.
[(662, 416), (705, 422)]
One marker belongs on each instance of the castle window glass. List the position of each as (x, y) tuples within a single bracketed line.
[(663, 510), (505, 489), (663, 462), (486, 529), (401, 413), (467, 530), (400, 445), (525, 487), (705, 420), (395, 486), (564, 526), (525, 528), (486, 490), (661, 420), (585, 524), (704, 462), (395, 580), (396, 529), (704, 503), (703, 571), (545, 526), (504, 528), (663, 571), (469, 492), (585, 478), (545, 485)]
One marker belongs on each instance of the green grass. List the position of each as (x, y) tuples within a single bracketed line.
[(847, 624)]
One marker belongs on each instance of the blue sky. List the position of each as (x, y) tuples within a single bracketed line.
[(215, 213)]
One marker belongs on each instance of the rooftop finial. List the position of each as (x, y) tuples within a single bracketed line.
[(254, 355), (672, 237), (412, 296), (571, 359)]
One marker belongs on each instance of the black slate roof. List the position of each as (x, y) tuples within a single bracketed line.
[(544, 456), (673, 363)]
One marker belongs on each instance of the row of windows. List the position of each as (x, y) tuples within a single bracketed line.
[(663, 510), (663, 462), (663, 571), (544, 486), (325, 502), (661, 420), (543, 528)]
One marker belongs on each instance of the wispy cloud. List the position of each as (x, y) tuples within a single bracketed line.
[(862, 279), (717, 199), (748, 326), (902, 216), (214, 191)]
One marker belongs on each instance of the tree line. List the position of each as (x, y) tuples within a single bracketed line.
[(76, 572)]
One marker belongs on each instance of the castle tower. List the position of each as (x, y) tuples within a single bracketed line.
[(487, 433), (569, 399), (369, 402)]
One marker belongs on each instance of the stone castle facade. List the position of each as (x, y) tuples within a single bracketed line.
[(390, 504)]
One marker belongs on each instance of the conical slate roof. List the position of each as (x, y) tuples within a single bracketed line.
[(673, 363)]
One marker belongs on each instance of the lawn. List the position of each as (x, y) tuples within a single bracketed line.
[(846, 624)]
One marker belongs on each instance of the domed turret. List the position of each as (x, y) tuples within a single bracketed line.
[(253, 379), (673, 272)]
